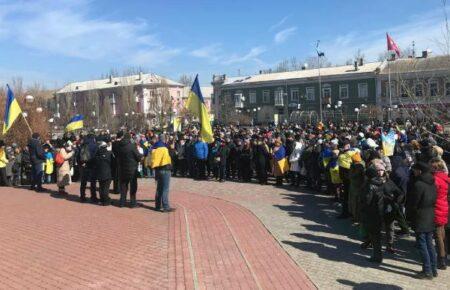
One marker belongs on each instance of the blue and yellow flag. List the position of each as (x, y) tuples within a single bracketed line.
[(12, 110), (197, 107), (75, 123), (388, 142)]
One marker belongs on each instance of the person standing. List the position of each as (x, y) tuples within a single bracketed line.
[(103, 162), (280, 164), (37, 159), (3, 164), (64, 153), (162, 164), (128, 159), (201, 156), (85, 158), (294, 161), (441, 181), (420, 205), (261, 157)]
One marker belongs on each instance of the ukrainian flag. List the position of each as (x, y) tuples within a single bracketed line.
[(12, 110), (75, 123), (196, 105)]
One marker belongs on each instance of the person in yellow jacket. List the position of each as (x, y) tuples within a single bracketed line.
[(162, 164), (3, 163), (345, 162)]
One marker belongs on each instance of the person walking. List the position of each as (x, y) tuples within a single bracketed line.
[(63, 155), (128, 159), (162, 164), (420, 203), (37, 159), (103, 164)]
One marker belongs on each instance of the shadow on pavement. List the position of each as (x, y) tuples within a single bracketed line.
[(320, 211), (368, 285)]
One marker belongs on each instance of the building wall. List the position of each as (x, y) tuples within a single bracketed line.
[(268, 109)]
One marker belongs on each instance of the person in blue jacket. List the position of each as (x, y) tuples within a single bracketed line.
[(201, 157)]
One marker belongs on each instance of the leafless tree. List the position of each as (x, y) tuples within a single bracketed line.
[(186, 80)]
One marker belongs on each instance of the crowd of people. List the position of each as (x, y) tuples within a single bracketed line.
[(379, 188)]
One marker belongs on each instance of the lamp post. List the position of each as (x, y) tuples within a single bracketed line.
[(357, 114)]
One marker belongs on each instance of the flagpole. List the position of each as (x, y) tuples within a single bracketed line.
[(390, 92), (28, 125)]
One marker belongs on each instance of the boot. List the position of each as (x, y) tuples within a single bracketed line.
[(442, 263)]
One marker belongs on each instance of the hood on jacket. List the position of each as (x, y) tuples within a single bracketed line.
[(426, 177)]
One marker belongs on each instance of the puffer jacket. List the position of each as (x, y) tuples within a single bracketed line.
[(441, 181), (420, 203)]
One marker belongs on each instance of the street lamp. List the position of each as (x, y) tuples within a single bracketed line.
[(357, 114), (319, 55), (39, 109), (29, 98)]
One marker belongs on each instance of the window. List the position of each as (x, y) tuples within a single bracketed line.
[(434, 88), (295, 95), (279, 97), (343, 91), (403, 91), (392, 90), (363, 90), (238, 100), (252, 97), (418, 89), (326, 94), (447, 89), (178, 94), (310, 94), (266, 96)]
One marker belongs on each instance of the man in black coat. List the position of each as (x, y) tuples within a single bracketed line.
[(420, 204), (128, 159), (115, 165), (102, 166), (37, 159), (85, 158)]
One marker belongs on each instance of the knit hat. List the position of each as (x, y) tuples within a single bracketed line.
[(371, 143), (378, 165)]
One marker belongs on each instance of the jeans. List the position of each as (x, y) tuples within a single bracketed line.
[(424, 243), (87, 174), (36, 176), (162, 177)]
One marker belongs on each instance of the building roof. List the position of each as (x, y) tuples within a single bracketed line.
[(408, 65), (301, 74), (114, 82), (206, 92)]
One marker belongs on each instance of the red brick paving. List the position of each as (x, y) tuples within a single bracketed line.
[(207, 243)]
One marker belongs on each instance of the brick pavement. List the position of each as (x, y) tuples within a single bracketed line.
[(208, 243), (326, 248)]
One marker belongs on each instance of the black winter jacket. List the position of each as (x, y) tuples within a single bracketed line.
[(102, 164), (37, 154), (420, 203), (128, 159)]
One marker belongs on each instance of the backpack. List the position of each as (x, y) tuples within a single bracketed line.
[(59, 159), (85, 154)]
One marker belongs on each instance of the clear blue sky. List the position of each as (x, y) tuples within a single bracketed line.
[(54, 42)]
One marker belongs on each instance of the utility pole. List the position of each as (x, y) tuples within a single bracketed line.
[(319, 55)]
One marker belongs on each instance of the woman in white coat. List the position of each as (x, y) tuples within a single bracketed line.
[(294, 160), (63, 178)]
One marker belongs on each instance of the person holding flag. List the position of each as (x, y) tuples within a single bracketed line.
[(197, 107)]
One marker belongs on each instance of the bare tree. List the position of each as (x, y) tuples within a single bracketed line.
[(186, 80)]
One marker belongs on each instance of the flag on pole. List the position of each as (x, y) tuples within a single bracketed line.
[(177, 124), (75, 123), (391, 45), (388, 142), (12, 110), (197, 107)]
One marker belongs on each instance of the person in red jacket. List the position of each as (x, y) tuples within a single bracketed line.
[(441, 181)]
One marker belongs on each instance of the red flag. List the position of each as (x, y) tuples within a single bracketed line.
[(391, 45)]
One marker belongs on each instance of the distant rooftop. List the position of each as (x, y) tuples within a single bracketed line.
[(133, 80), (300, 74), (404, 65)]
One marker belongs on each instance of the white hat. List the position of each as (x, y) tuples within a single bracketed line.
[(371, 143), (361, 134), (335, 141)]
